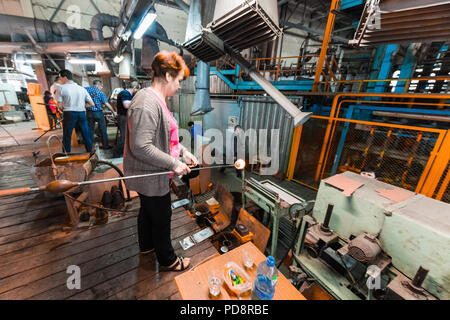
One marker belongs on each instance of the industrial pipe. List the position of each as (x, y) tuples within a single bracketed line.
[(202, 100), (99, 21), (281, 99), (56, 47)]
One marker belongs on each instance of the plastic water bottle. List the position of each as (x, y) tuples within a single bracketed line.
[(265, 281)]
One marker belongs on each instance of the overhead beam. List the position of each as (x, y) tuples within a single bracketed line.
[(170, 4), (182, 5), (57, 10)]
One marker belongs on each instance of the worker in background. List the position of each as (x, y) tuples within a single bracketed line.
[(123, 103), (54, 88), (152, 145), (95, 114), (196, 130), (50, 107), (72, 101), (237, 136)]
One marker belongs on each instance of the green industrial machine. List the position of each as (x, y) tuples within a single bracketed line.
[(276, 203), (366, 246)]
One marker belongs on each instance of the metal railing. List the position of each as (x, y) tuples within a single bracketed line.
[(278, 68)]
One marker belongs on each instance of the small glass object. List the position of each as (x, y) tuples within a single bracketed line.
[(215, 283), (248, 259)]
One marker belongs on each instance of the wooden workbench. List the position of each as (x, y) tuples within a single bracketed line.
[(193, 284)]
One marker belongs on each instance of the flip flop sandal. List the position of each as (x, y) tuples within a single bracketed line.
[(174, 267)]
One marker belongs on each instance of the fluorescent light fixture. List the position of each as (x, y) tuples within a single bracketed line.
[(29, 61), (118, 59), (144, 25), (82, 61)]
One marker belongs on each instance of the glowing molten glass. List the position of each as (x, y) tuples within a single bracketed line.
[(239, 164)]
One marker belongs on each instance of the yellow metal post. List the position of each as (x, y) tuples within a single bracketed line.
[(323, 53), (444, 186), (325, 42), (438, 167), (294, 150)]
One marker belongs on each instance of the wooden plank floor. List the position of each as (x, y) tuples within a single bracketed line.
[(35, 251)]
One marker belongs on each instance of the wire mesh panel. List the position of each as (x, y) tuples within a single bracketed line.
[(442, 192), (313, 133), (396, 155)]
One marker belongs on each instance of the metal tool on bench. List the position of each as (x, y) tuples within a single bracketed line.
[(59, 186)]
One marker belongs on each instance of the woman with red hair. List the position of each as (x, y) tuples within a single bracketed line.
[(152, 145)]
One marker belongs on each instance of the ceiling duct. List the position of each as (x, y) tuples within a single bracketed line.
[(238, 25), (202, 100), (99, 21), (205, 46), (402, 21), (15, 28), (243, 23), (130, 16)]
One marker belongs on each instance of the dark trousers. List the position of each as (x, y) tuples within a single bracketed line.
[(122, 126), (154, 227), (92, 118), (73, 119), (52, 120)]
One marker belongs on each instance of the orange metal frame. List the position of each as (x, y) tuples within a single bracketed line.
[(375, 102), (439, 157), (332, 116)]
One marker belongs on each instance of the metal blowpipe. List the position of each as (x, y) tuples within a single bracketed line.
[(59, 186)]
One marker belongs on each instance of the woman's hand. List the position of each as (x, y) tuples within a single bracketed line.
[(182, 169), (189, 158)]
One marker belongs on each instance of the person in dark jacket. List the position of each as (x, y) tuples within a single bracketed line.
[(237, 132), (123, 104)]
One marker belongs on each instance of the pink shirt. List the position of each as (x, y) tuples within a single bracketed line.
[(174, 143)]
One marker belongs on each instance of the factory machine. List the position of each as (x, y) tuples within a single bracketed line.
[(276, 203), (366, 246)]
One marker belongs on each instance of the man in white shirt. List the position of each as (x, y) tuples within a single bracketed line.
[(72, 100), (54, 89)]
